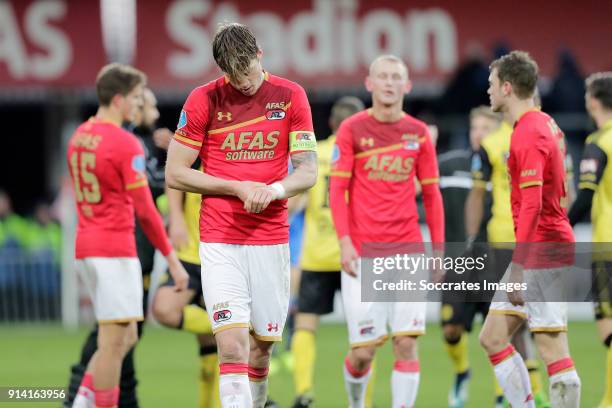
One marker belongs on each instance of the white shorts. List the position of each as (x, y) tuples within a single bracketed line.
[(115, 288), (540, 316), (368, 321), (246, 286)]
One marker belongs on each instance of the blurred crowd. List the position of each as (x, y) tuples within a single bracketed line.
[(36, 235)]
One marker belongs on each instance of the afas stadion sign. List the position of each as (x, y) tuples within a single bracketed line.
[(318, 43)]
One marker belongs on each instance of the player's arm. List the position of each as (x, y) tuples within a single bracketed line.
[(428, 174), (530, 161), (177, 228), (181, 176), (592, 166), (302, 148), (303, 153), (340, 179), (135, 181), (184, 149), (304, 174), (475, 201)]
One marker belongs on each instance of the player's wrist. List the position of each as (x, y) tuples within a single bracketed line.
[(279, 190), (234, 187)]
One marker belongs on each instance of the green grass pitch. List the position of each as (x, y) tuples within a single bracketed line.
[(167, 366)]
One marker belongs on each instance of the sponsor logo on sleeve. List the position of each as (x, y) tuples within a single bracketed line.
[(138, 163), (335, 153), (182, 120), (299, 141)]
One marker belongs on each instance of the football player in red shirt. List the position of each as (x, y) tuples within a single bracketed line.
[(537, 180), (244, 126), (379, 152), (107, 166)]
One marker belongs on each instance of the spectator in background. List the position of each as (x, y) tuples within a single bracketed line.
[(567, 91), (13, 228), (44, 233), (468, 86)]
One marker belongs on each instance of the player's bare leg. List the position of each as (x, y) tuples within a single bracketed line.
[(259, 363), (406, 372), (114, 341), (233, 349), (357, 370), (604, 329), (168, 305), (509, 367), (564, 382)]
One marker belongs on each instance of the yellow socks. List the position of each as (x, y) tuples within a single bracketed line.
[(458, 353), (303, 348), (209, 381), (535, 376)]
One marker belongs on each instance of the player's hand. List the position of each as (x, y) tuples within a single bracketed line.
[(348, 256), (178, 233), (259, 198), (178, 272), (162, 137), (242, 189), (516, 276)]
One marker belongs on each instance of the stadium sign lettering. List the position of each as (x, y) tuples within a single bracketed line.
[(54, 55), (330, 38)]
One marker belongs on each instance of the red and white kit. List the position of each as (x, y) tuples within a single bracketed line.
[(377, 163), (107, 166), (245, 257)]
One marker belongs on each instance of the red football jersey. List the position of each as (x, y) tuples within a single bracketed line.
[(105, 161), (244, 138), (537, 155), (381, 160)]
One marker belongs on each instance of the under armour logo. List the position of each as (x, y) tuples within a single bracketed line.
[(226, 115), (367, 141), (273, 327)]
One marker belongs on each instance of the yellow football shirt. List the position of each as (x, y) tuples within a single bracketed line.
[(191, 212), (321, 251), (596, 174), (496, 148)]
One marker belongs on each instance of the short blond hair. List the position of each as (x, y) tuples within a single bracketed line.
[(234, 47), (388, 57)]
